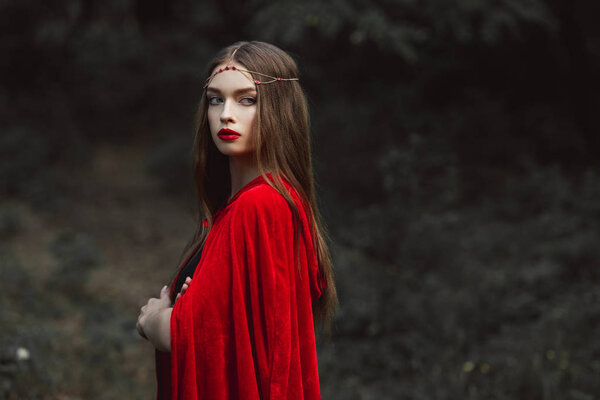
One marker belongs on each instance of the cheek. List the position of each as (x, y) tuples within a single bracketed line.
[(250, 117), (213, 120)]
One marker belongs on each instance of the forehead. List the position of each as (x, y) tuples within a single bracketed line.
[(230, 79)]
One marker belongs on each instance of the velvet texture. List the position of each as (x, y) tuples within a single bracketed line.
[(244, 328)]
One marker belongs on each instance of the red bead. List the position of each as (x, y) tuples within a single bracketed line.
[(226, 68), (233, 68), (279, 79), (220, 70)]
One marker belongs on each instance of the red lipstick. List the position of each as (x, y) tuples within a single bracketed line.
[(228, 134)]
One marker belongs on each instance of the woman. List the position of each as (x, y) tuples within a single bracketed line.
[(241, 324)]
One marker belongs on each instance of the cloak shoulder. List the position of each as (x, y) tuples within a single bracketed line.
[(244, 328)]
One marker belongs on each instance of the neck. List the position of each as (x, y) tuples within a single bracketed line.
[(243, 170)]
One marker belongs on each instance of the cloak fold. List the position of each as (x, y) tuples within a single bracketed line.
[(244, 328)]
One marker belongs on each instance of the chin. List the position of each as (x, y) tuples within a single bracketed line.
[(231, 151)]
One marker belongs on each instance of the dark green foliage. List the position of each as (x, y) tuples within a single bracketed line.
[(23, 153), (170, 160), (76, 256), (14, 277), (9, 221), (38, 355), (25, 354), (109, 332), (27, 155), (24, 364), (481, 304)]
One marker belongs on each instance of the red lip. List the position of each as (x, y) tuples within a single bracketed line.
[(226, 131)]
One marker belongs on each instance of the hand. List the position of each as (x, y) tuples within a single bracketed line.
[(151, 309), (184, 288), (139, 329)]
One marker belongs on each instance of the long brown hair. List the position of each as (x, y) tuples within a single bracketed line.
[(282, 143)]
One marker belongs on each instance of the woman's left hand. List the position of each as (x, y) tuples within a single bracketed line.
[(184, 288), (153, 319)]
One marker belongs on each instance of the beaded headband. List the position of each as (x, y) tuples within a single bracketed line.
[(233, 68)]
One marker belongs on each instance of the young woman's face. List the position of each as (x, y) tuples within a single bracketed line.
[(231, 99)]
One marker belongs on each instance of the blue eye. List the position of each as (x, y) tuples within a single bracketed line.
[(214, 100), (248, 101)]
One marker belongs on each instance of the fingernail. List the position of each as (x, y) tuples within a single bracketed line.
[(164, 288)]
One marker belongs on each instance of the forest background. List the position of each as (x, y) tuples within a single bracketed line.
[(456, 147)]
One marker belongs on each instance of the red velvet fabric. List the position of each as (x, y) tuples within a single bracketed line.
[(244, 328)]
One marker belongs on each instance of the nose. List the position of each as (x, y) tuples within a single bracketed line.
[(227, 112)]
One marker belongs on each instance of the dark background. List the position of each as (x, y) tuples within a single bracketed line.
[(456, 146)]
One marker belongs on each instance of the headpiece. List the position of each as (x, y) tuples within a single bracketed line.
[(233, 68)]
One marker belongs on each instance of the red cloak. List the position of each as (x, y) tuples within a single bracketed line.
[(244, 328)]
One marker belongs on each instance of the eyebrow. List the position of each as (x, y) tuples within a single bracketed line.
[(236, 92)]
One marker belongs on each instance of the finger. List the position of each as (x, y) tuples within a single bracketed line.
[(188, 280), (184, 287), (140, 331), (165, 297), (178, 296), (164, 291)]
